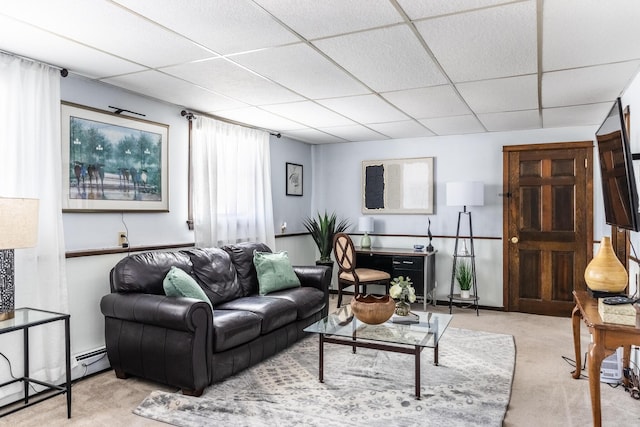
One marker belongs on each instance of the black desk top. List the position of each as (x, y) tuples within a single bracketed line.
[(394, 251)]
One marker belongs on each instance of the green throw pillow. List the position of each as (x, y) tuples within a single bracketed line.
[(275, 272), (178, 283)]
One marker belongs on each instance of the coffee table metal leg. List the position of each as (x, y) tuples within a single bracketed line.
[(417, 363), (321, 364), (435, 355)]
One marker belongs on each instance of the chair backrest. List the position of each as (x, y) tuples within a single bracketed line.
[(344, 252)]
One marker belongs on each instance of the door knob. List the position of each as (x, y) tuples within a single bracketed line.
[(514, 240)]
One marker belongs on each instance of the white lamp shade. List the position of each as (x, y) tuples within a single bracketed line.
[(18, 223), (365, 224), (468, 193)]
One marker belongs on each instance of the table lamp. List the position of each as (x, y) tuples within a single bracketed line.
[(365, 224), (18, 229)]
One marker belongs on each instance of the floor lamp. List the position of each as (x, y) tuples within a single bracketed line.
[(18, 229), (465, 194)]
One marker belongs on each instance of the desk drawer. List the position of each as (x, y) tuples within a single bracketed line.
[(408, 262)]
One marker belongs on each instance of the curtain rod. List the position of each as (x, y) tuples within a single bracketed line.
[(189, 115), (63, 71)]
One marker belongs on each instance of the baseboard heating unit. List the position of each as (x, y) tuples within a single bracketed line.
[(90, 362)]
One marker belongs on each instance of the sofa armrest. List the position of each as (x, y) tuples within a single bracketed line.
[(182, 314), (316, 276)]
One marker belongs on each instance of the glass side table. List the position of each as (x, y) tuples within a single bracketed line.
[(26, 318)]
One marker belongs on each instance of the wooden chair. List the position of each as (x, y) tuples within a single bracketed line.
[(348, 274)]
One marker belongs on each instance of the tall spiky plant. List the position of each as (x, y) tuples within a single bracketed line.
[(322, 231)]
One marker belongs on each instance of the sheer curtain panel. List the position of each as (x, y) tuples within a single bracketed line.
[(30, 167), (231, 184)]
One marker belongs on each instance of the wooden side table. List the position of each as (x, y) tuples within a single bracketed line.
[(607, 337)]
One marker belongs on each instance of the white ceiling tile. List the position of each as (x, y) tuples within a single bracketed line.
[(512, 120), (437, 101), (354, 133), (417, 9), (309, 113), (175, 91), (302, 69), (506, 94), (226, 78), (454, 125), (260, 118), (226, 26), (312, 136), (581, 115), (385, 59), (586, 85), (313, 18), (364, 109), (59, 51), (108, 27), (587, 32), (485, 44), (404, 129)]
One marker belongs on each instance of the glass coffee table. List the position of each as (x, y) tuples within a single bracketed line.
[(343, 328)]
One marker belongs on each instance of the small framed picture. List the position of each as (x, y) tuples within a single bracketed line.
[(294, 179)]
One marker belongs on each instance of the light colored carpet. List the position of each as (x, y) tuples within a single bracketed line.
[(470, 387)]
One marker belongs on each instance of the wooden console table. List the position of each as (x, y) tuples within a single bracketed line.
[(607, 337)]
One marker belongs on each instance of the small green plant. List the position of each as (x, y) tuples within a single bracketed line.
[(322, 231), (464, 275)]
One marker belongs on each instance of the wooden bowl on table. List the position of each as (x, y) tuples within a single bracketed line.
[(372, 309)]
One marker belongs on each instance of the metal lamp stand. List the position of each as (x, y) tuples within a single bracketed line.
[(472, 257)]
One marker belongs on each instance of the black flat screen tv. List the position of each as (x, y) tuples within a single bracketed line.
[(619, 190)]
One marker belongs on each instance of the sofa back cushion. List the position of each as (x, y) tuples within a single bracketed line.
[(145, 272), (216, 274), (242, 258)]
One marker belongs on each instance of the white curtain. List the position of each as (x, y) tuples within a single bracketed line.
[(30, 166), (231, 184)]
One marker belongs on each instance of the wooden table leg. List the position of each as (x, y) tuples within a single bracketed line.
[(596, 354), (626, 357), (575, 319)]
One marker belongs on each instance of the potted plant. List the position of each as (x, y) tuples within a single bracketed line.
[(322, 230), (402, 290), (464, 276)]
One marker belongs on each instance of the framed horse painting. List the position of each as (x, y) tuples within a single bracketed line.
[(112, 162)]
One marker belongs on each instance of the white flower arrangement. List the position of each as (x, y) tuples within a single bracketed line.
[(402, 290)]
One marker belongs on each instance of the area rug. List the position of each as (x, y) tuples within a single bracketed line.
[(471, 386)]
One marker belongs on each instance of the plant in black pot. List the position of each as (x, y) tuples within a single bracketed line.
[(322, 230)]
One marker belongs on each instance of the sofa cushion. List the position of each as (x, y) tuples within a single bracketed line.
[(242, 257), (145, 272), (234, 327), (308, 300), (178, 283), (215, 273), (274, 271), (275, 312)]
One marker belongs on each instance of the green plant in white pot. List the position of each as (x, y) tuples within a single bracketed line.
[(464, 276)]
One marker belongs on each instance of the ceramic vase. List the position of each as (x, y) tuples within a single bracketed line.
[(605, 272), (465, 294)]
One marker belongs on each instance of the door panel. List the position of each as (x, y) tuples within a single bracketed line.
[(548, 227)]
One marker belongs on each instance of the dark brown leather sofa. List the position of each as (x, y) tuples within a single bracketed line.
[(179, 341)]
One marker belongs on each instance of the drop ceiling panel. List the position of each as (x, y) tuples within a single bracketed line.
[(354, 133), (581, 115), (429, 102), (60, 51), (314, 19), (302, 69), (507, 94), (586, 32), (485, 44), (226, 78), (309, 113), (604, 83), (364, 109), (417, 9), (175, 91), (454, 125), (384, 59), (108, 27), (512, 120), (404, 129), (313, 136), (226, 26), (259, 118)]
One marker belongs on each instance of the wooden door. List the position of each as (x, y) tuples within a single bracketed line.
[(548, 225)]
